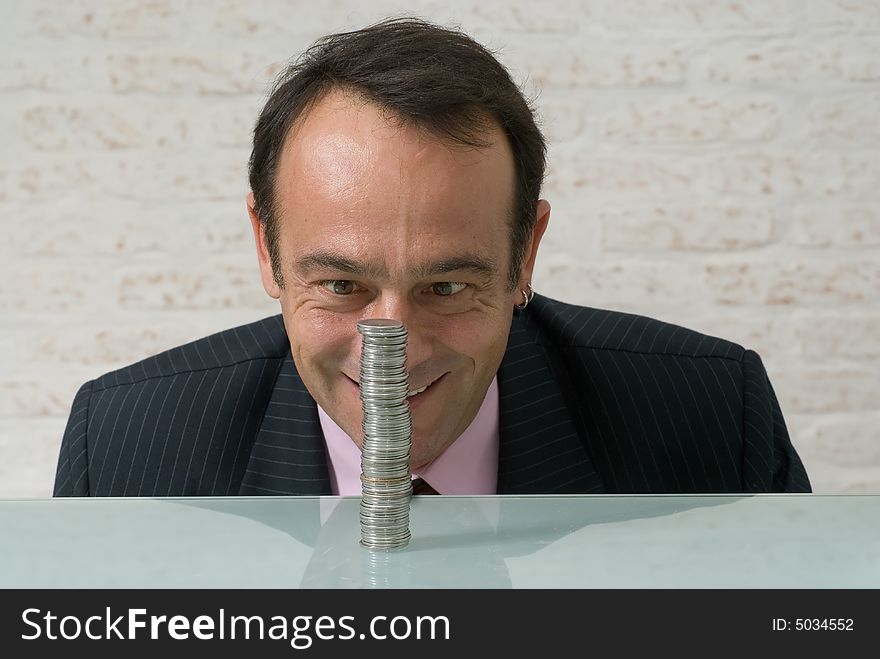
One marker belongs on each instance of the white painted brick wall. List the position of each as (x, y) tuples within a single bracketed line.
[(713, 163)]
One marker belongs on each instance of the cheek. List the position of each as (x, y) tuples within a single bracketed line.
[(482, 340), (326, 339)]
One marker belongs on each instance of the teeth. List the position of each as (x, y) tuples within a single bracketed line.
[(418, 391), (415, 392)]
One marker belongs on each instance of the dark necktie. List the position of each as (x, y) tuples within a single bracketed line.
[(421, 487)]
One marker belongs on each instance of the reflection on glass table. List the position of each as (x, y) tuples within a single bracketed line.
[(761, 541)]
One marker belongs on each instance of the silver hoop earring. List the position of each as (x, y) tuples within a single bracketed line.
[(527, 294)]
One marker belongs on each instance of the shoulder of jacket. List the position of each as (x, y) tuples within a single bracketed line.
[(568, 325), (262, 340)]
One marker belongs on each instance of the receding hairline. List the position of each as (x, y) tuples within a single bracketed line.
[(485, 132), (487, 126)]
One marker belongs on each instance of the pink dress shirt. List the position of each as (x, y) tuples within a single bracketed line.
[(469, 466)]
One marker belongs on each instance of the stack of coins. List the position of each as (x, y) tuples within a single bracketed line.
[(385, 475)]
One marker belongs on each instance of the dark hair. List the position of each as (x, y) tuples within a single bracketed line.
[(437, 78)]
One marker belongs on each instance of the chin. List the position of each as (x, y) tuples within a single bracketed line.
[(428, 451)]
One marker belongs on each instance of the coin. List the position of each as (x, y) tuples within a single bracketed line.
[(386, 482)]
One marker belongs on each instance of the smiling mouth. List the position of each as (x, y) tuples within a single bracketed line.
[(416, 392), (413, 392)]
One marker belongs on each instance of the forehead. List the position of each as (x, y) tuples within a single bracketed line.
[(349, 168), (342, 130)]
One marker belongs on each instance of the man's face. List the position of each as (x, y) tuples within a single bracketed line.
[(382, 220)]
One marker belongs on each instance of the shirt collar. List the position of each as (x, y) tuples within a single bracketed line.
[(469, 466)]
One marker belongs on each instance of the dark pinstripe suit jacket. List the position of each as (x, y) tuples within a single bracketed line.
[(591, 401)]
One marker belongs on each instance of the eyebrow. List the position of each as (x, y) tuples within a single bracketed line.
[(465, 263), (329, 261)]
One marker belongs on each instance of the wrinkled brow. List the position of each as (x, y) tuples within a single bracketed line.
[(468, 263), (322, 260), (330, 261)]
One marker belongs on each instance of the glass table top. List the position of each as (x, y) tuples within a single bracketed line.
[(586, 541)]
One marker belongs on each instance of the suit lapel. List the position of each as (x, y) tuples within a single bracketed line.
[(541, 451), (288, 456)]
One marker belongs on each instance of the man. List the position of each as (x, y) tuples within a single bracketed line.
[(396, 173)]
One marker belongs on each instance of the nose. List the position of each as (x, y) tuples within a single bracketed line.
[(418, 328)]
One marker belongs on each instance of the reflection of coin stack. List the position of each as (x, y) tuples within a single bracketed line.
[(385, 474)]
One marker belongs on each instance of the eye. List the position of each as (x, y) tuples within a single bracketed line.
[(447, 288), (339, 286)]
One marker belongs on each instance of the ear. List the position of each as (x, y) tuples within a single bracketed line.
[(269, 283), (543, 218)]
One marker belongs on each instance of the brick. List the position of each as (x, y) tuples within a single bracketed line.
[(561, 17), (827, 226), (11, 23), (6, 248), (199, 71), (28, 456), (113, 228), (858, 481), (565, 120), (107, 345), (827, 389), (164, 70), (49, 393), (206, 175), (751, 61), (629, 286), (103, 126), (841, 440), (125, 229), (46, 178), (9, 129), (851, 175), (850, 58), (215, 284), (224, 231), (855, 335), (26, 69), (94, 344), (599, 62), (694, 119), (680, 15), (845, 13), (701, 228), (228, 122), (238, 18), (573, 229), (793, 282), (767, 333), (7, 346), (52, 287), (848, 442), (788, 173), (756, 173), (827, 479), (125, 19), (648, 177), (278, 18), (557, 178), (846, 120)]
